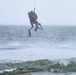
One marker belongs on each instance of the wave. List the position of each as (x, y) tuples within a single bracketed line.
[(67, 65)]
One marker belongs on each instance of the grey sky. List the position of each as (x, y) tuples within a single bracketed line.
[(52, 12)]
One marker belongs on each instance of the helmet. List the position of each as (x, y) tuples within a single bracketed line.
[(31, 11)]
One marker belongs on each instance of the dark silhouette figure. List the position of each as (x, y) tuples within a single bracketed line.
[(33, 20)]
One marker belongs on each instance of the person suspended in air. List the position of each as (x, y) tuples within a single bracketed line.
[(33, 20)]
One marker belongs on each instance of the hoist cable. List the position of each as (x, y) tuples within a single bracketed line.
[(34, 5)]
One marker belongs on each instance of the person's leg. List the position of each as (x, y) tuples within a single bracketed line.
[(38, 26), (36, 23), (30, 29)]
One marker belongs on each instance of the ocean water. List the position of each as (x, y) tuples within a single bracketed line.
[(48, 73), (53, 42)]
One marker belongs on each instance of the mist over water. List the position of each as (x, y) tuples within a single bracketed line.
[(50, 34), (53, 42)]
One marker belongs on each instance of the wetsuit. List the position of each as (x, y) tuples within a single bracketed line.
[(32, 17)]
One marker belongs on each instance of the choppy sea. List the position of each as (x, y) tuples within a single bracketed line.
[(53, 43)]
